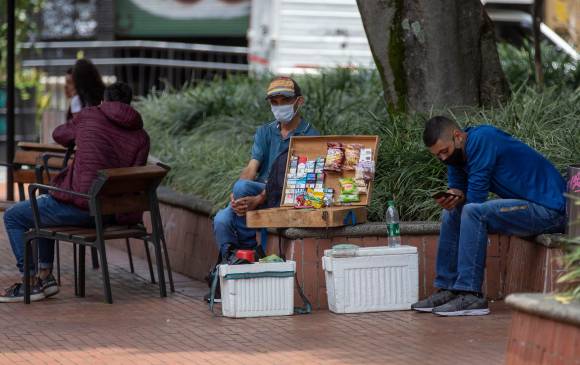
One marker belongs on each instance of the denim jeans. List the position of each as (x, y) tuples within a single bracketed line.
[(19, 218), (463, 241), (230, 229)]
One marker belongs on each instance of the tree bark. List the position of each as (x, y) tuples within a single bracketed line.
[(434, 54), (538, 6)]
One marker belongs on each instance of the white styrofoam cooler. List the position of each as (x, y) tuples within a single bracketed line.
[(371, 279), (257, 290)]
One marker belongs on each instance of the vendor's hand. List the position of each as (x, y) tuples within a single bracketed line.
[(243, 205), (453, 201)]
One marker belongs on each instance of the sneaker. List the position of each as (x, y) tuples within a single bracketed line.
[(463, 305), (435, 300), (15, 294), (48, 285), (217, 299)]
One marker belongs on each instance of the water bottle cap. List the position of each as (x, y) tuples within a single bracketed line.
[(391, 203)]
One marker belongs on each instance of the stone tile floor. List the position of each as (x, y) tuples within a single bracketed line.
[(141, 328)]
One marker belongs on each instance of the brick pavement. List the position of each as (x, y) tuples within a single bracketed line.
[(141, 328)]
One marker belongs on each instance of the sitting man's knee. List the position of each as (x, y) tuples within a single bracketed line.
[(222, 218), (473, 210), (243, 188)]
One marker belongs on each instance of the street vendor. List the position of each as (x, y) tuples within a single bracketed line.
[(270, 140), (483, 160)]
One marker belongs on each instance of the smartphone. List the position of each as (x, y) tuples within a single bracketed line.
[(444, 194)]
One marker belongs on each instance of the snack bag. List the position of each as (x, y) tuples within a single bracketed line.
[(348, 198), (351, 156), (334, 157), (347, 185), (348, 190), (314, 199)]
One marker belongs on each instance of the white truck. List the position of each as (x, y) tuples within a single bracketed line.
[(298, 36)]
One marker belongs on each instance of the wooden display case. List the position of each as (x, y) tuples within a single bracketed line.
[(335, 216)]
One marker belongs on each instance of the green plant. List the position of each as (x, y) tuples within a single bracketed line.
[(560, 70), (206, 133), (570, 281)]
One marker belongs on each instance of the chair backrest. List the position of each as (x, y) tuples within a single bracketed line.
[(125, 190)]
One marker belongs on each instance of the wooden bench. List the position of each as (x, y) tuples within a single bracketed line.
[(115, 191)]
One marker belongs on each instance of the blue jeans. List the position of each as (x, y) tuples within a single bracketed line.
[(229, 229), (463, 241), (19, 218)]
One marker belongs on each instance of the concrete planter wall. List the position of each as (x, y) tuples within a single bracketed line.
[(513, 264), (543, 331)]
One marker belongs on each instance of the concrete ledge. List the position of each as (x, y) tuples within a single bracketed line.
[(546, 306), (553, 240), (363, 230), (198, 205), (186, 201)]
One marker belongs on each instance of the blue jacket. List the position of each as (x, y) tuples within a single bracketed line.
[(501, 164)]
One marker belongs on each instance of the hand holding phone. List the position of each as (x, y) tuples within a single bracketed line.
[(444, 194), (449, 199)]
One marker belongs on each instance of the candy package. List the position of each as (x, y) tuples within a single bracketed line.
[(351, 156), (310, 199), (334, 157)]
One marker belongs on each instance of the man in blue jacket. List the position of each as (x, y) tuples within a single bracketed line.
[(481, 160), (285, 99)]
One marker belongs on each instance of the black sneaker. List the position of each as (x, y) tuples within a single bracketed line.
[(435, 300), (48, 285), (216, 299), (463, 305), (15, 294)]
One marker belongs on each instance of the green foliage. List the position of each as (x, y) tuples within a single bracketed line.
[(560, 70), (570, 281), (205, 133)]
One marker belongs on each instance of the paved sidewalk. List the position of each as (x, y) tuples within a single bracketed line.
[(140, 328)]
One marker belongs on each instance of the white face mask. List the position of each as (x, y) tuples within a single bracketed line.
[(284, 113)]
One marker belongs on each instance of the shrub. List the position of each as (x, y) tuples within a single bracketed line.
[(206, 132)]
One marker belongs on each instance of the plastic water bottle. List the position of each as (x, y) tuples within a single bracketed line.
[(392, 220)]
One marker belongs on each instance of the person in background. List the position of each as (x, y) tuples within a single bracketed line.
[(106, 136), (482, 160), (87, 83), (71, 94)]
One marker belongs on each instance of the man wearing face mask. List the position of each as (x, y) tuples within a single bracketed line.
[(481, 160), (270, 140)]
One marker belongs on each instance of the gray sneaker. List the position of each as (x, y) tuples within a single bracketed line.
[(463, 305), (48, 285), (15, 294), (435, 300)]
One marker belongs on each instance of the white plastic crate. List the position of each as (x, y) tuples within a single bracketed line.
[(371, 279), (257, 290)]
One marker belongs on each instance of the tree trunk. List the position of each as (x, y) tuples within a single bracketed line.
[(434, 54), (538, 6)]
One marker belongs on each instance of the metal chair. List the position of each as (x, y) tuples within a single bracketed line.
[(114, 191)]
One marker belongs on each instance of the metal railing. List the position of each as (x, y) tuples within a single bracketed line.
[(145, 65)]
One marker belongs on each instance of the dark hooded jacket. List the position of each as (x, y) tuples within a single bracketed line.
[(107, 136)]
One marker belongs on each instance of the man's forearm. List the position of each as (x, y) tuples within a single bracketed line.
[(247, 174)]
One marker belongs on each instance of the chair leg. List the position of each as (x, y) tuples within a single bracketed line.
[(82, 271), (105, 271), (168, 265), (159, 262), (95, 258), (27, 251), (151, 274), (130, 255), (57, 244), (75, 270)]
